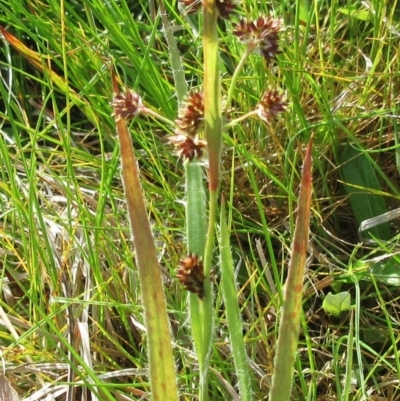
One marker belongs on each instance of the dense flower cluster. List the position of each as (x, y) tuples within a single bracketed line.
[(187, 147), (271, 104), (226, 8), (188, 125), (127, 105), (261, 34), (191, 274), (191, 115)]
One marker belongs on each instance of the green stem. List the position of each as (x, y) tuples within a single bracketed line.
[(213, 135), (241, 118), (212, 93), (207, 311), (196, 229), (235, 76), (159, 117)]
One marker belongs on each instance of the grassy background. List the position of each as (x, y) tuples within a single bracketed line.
[(70, 293)]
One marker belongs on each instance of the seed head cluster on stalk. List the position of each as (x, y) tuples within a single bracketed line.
[(271, 104), (127, 105), (188, 126), (261, 36), (193, 123)]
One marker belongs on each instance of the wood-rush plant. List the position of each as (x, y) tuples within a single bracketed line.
[(198, 131)]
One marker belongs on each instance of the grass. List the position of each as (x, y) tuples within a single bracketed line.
[(71, 304)]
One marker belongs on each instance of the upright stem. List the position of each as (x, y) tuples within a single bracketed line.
[(213, 135), (212, 93)]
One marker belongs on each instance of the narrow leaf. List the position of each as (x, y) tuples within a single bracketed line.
[(360, 176), (37, 61), (161, 363), (230, 294), (196, 229), (290, 324)]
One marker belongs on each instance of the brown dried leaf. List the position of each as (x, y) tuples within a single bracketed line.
[(7, 393)]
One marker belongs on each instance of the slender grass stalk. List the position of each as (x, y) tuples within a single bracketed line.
[(196, 229), (161, 363), (349, 361), (207, 312), (236, 75), (290, 324), (176, 64), (357, 319), (40, 64), (212, 93), (213, 135), (232, 310)]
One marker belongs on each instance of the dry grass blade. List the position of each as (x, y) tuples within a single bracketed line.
[(7, 393)]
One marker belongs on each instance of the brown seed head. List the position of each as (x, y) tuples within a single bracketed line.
[(271, 105), (188, 147), (191, 274), (127, 105), (191, 115), (263, 34), (226, 8)]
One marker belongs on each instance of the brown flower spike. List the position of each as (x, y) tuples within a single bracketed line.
[(188, 147), (191, 115), (127, 105), (226, 8), (271, 105), (191, 274), (188, 125), (261, 34)]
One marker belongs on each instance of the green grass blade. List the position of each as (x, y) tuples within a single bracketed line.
[(363, 187), (230, 295), (196, 229), (176, 63), (349, 363)]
